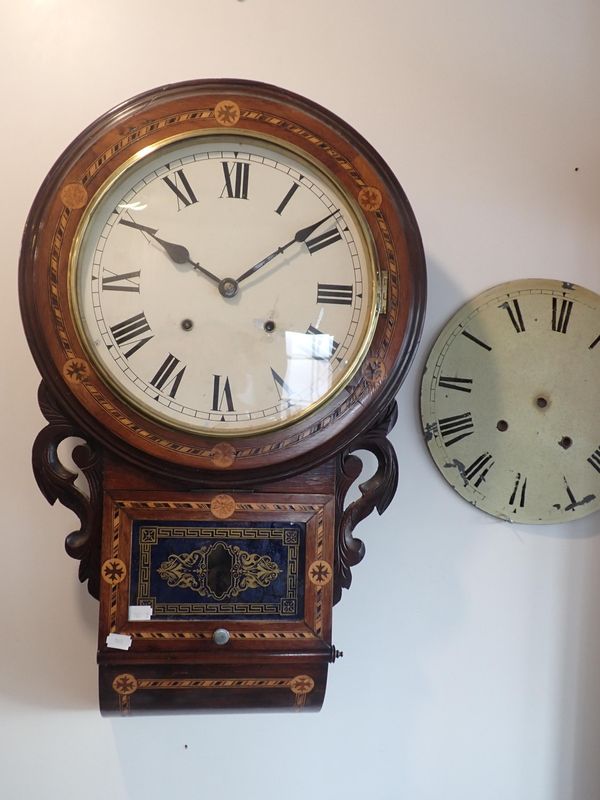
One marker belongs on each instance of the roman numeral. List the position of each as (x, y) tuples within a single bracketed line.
[(594, 343), (323, 240), (223, 395), (286, 199), (125, 282), (476, 340), (334, 293), (517, 497), (574, 501), (459, 384), (514, 312), (130, 330), (455, 428), (560, 318), (479, 468), (280, 385), (594, 459), (184, 192), (165, 379), (236, 180), (333, 344)]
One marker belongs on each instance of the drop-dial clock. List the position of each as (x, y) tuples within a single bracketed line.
[(223, 287), (509, 401)]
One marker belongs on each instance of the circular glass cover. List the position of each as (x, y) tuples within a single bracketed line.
[(224, 285)]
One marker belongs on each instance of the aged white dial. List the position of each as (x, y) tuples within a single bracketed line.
[(509, 401), (224, 285)]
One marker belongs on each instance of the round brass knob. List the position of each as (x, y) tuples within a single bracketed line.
[(221, 636)]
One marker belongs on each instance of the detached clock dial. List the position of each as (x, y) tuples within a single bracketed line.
[(223, 287), (509, 401)]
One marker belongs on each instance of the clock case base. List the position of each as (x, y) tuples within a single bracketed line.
[(283, 684), (269, 664)]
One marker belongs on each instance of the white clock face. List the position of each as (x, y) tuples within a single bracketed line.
[(509, 401), (224, 285)]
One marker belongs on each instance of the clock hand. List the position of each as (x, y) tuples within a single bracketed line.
[(176, 252), (301, 236)]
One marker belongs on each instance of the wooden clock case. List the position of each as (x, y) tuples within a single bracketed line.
[(149, 483)]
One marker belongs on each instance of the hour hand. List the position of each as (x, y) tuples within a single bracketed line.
[(176, 252)]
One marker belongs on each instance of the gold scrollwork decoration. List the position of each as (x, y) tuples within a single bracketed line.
[(219, 570)]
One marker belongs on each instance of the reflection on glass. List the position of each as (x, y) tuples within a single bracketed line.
[(308, 375)]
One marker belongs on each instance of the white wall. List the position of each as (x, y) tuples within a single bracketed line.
[(472, 648)]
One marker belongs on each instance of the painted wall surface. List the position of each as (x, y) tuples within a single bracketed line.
[(472, 648)]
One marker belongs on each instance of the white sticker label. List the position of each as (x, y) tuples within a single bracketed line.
[(137, 613), (118, 641)]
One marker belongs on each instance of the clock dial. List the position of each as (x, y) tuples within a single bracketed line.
[(509, 401), (224, 284)]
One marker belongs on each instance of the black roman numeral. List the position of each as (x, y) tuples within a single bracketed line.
[(459, 384), (130, 330), (221, 396), (479, 468), (560, 317), (323, 240), (165, 379), (514, 312), (286, 199), (236, 179), (316, 332), (125, 282), (476, 340), (334, 293), (455, 428), (182, 189), (280, 385), (594, 459), (574, 502), (517, 497)]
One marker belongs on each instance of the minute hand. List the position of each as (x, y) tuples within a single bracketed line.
[(301, 236)]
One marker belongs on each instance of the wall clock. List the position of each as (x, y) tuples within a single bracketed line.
[(223, 287), (509, 401)]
